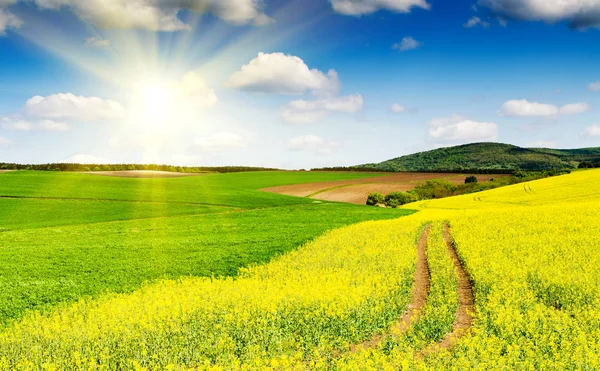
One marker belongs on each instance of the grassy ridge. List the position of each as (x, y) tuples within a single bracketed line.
[(73, 235), (489, 156)]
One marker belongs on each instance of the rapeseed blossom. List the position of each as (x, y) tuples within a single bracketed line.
[(533, 254)]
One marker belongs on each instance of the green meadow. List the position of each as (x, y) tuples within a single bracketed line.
[(65, 236)]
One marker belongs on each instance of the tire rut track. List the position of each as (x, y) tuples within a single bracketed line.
[(419, 294), (465, 313)]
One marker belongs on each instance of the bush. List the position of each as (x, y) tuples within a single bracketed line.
[(437, 188), (375, 199), (395, 199), (471, 179), (393, 203)]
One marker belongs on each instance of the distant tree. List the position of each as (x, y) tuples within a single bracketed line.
[(375, 199), (471, 179), (588, 165), (395, 199), (436, 188), (393, 203)]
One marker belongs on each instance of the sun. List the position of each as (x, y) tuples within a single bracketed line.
[(155, 100), (153, 105)]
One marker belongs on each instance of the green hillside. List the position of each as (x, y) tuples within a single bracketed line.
[(489, 156)]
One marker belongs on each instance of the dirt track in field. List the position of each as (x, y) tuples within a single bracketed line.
[(420, 292), (142, 174), (356, 191), (465, 313)]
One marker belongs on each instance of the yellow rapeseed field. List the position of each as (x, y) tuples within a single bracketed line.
[(532, 250), (305, 306)]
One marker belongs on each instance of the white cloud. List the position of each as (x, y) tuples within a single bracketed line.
[(360, 7), (579, 13), (4, 142), (219, 142), (524, 108), (238, 12), (96, 42), (476, 21), (283, 74), (15, 123), (56, 113), (593, 131), (304, 111), (121, 14), (541, 144), (19, 123), (289, 75), (595, 86), (313, 143), (192, 91), (49, 125), (574, 109), (398, 108), (151, 15), (158, 15), (84, 159), (68, 106), (458, 129), (407, 43), (8, 20)]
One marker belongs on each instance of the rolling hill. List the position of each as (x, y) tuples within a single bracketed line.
[(489, 156)]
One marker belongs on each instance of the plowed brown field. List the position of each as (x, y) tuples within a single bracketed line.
[(356, 191)]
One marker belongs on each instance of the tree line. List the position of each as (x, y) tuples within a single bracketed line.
[(445, 171), (130, 167), (589, 165)]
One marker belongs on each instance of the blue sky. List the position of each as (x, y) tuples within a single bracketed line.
[(292, 84)]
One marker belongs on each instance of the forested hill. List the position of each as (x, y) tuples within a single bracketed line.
[(492, 157)]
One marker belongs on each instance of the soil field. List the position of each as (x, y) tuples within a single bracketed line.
[(356, 191), (143, 174)]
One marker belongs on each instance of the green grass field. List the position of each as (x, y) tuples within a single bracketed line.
[(64, 236)]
